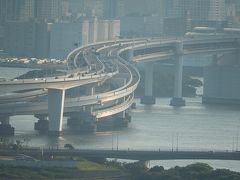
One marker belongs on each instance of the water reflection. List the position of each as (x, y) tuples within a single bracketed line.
[(194, 127)]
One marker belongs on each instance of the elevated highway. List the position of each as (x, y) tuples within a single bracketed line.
[(108, 73)]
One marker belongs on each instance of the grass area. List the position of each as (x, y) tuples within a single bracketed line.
[(7, 158), (36, 173), (85, 165)]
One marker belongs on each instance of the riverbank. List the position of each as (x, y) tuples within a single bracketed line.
[(198, 171), (68, 168), (84, 169)]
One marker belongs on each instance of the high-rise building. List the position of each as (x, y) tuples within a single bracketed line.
[(114, 29), (141, 26), (217, 10), (113, 9), (50, 10), (64, 36), (212, 10), (232, 13), (24, 10), (197, 12), (142, 7), (94, 7), (15, 10), (93, 30), (20, 38), (103, 28)]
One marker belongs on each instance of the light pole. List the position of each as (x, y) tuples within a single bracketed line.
[(117, 141), (237, 142), (177, 143), (112, 141), (233, 144)]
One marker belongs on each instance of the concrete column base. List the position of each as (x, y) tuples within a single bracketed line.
[(6, 130), (88, 127), (122, 122), (177, 102), (134, 106), (55, 133), (148, 100), (41, 126), (81, 126), (106, 124)]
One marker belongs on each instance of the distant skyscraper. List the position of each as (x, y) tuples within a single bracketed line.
[(88, 7), (113, 9), (16, 10), (93, 30), (233, 13), (197, 12), (174, 8), (217, 10), (49, 9), (24, 10), (142, 7)]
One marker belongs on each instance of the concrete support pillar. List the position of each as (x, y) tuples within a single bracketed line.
[(238, 53), (90, 90), (5, 128), (42, 124), (215, 59), (56, 99), (221, 85), (83, 121), (177, 99), (148, 85), (122, 114), (130, 54), (122, 119), (4, 119), (89, 123), (238, 57), (74, 92)]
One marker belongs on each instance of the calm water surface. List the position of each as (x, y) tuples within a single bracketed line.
[(11, 73), (194, 127)]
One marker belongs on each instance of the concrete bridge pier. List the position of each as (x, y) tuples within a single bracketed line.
[(130, 54), (221, 79), (83, 121), (90, 91), (42, 124), (221, 85), (56, 99), (89, 121), (5, 128), (148, 98), (177, 100), (122, 119)]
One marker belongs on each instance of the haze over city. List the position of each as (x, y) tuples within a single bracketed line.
[(119, 89)]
